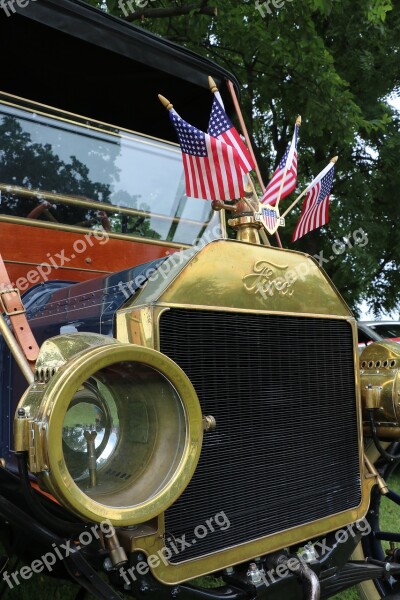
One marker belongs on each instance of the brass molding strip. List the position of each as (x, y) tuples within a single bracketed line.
[(112, 208), (32, 264), (80, 120), (75, 229), (241, 310), (383, 488)]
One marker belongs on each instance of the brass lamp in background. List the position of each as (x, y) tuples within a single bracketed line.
[(380, 389)]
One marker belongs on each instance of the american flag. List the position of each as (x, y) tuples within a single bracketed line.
[(314, 212), (271, 194), (212, 168), (221, 127), (270, 217)]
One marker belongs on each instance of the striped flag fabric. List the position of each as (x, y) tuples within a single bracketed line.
[(221, 127), (212, 168), (289, 178), (315, 209)]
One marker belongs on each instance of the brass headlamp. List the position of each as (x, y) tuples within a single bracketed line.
[(113, 430)]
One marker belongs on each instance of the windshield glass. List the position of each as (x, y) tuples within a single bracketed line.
[(64, 169), (387, 330)]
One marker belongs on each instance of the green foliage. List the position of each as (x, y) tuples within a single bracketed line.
[(377, 12), (335, 62)]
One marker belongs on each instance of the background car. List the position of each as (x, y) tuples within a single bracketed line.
[(373, 331)]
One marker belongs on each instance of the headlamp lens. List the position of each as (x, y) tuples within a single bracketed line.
[(125, 420)]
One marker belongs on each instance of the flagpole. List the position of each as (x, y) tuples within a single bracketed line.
[(297, 123), (244, 130), (262, 233), (214, 90), (334, 161), (169, 106), (294, 203), (243, 127)]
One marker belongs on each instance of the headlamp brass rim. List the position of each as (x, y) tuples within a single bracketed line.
[(55, 402)]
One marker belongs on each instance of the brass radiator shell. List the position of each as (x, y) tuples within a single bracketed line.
[(240, 278)]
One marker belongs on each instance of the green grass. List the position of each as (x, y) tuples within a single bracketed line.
[(348, 595), (389, 520), (39, 587)]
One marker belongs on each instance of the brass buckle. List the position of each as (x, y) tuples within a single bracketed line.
[(14, 312)]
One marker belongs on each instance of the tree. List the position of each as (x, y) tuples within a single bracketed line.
[(335, 63)]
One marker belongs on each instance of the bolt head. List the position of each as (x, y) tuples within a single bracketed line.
[(107, 564)]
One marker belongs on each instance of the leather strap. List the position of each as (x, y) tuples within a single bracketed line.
[(11, 305)]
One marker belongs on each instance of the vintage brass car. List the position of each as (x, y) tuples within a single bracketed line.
[(198, 423)]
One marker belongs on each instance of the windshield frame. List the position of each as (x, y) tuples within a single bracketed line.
[(217, 220)]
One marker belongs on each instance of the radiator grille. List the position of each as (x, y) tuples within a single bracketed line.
[(285, 451)]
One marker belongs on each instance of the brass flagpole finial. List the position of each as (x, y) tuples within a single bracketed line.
[(298, 120), (165, 102), (334, 160), (212, 84)]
